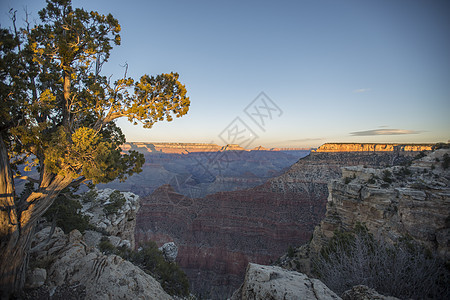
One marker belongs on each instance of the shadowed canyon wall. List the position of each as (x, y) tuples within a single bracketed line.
[(219, 234)]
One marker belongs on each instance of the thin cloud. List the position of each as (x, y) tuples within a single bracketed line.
[(361, 90), (384, 132)]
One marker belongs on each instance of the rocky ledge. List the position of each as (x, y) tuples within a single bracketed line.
[(410, 201), (63, 261), (395, 202), (271, 282), (113, 212)]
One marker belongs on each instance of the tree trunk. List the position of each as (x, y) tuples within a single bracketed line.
[(17, 222), (9, 232)]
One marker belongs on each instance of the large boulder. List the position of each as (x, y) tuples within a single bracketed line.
[(270, 282), (169, 250)]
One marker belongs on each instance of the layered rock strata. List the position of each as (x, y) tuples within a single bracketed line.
[(372, 147), (183, 148), (411, 201), (219, 234), (170, 147), (393, 203)]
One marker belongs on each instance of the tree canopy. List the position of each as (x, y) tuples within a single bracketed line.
[(57, 110)]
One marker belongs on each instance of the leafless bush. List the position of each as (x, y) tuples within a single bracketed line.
[(403, 270)]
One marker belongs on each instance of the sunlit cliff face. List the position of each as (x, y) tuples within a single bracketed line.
[(183, 148), (356, 147)]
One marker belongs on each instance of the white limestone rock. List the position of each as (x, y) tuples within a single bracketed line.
[(270, 282), (170, 251), (103, 276), (120, 223)]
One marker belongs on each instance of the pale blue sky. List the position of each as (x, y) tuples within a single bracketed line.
[(332, 67)]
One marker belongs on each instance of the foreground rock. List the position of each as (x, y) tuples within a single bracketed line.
[(119, 220), (269, 282), (68, 261)]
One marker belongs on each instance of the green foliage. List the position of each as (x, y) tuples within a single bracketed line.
[(420, 155), (446, 161), (106, 247), (404, 171), (66, 210), (57, 106), (347, 180), (387, 176), (173, 280), (291, 252), (343, 240), (89, 196), (117, 200)]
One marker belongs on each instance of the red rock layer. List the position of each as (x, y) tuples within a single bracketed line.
[(219, 234)]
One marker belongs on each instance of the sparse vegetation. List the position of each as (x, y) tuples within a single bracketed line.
[(420, 155), (404, 270), (446, 161), (291, 252), (89, 196), (173, 280), (117, 200), (403, 172), (66, 212), (387, 176)]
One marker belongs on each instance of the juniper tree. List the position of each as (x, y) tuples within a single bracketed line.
[(57, 115)]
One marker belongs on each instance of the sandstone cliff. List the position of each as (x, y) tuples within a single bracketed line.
[(170, 147), (219, 234), (183, 148), (363, 147), (410, 201), (393, 202)]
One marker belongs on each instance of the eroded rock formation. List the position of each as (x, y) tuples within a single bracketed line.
[(410, 201), (69, 262), (372, 147), (393, 202), (219, 234), (119, 222), (183, 148)]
